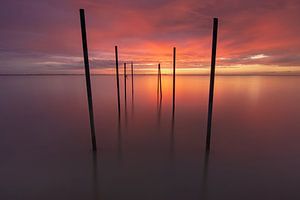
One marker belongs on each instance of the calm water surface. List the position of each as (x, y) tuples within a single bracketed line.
[(45, 150)]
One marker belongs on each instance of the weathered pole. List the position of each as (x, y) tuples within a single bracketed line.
[(212, 82), (125, 87), (132, 87), (118, 82), (173, 107), (119, 105), (174, 78), (88, 79), (125, 93), (160, 84)]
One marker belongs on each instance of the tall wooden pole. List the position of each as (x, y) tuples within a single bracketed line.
[(174, 78), (160, 84), (87, 78), (173, 107), (119, 105), (125, 93), (125, 87), (118, 82), (132, 88), (212, 82), (157, 90)]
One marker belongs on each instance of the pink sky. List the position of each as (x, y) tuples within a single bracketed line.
[(258, 36)]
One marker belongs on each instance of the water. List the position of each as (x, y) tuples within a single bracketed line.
[(45, 149)]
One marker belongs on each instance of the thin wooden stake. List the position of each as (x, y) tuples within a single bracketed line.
[(212, 82), (173, 107), (125, 93), (132, 88), (160, 84), (159, 95), (119, 106), (118, 82), (88, 79), (174, 78), (157, 91), (125, 87)]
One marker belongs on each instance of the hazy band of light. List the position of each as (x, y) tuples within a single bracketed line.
[(224, 70)]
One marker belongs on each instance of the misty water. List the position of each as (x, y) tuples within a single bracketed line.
[(45, 147)]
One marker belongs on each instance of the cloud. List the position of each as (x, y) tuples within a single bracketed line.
[(47, 33), (258, 56)]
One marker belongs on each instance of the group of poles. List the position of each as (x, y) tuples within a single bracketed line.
[(89, 90)]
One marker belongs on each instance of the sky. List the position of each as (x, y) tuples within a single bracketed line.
[(255, 37)]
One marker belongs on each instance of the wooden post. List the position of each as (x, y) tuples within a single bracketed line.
[(157, 90), (159, 95), (125, 87), (118, 82), (174, 77), (212, 82), (87, 77), (125, 93), (119, 105), (132, 88), (173, 107), (160, 84)]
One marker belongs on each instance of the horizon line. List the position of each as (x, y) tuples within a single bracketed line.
[(102, 74)]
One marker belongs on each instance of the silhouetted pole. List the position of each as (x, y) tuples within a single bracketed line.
[(174, 74), (159, 95), (125, 88), (132, 88), (87, 77), (173, 107), (157, 91), (118, 82), (125, 93), (212, 82), (159, 87), (160, 84), (119, 106)]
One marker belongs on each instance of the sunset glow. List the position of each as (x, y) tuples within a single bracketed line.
[(259, 37)]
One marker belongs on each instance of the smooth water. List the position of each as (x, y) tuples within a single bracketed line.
[(45, 148)]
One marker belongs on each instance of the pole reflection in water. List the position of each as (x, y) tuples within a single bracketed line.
[(95, 182), (159, 108), (204, 194), (172, 137), (120, 154)]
